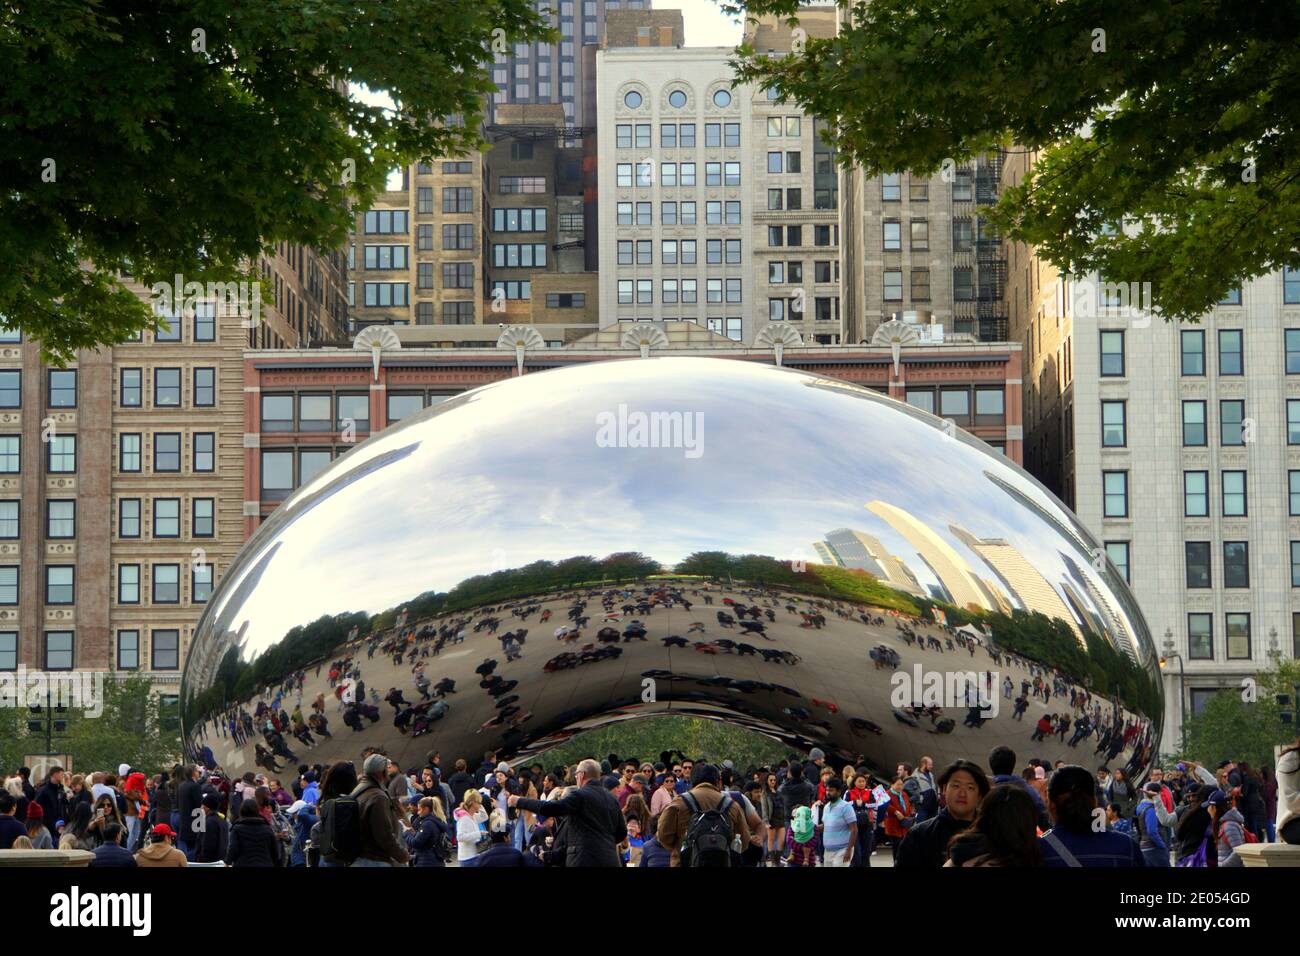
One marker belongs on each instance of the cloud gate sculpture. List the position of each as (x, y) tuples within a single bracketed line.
[(703, 537)]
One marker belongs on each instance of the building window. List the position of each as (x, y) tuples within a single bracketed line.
[(1295, 564), (166, 584), (954, 403), (60, 584), (277, 471), (424, 200), (1193, 352), (1196, 494), (458, 313), (128, 650), (893, 235), (402, 404), (458, 275), (1230, 352), (200, 583), (166, 517), (314, 413), (128, 584), (60, 519), (9, 520), (1114, 429), (1118, 551), (1234, 494), (891, 187), (311, 462), (385, 295), (167, 451), (128, 518), (1200, 637), (1293, 487), (353, 408), (893, 291), (63, 388), (205, 387), (59, 653), (8, 585), (205, 322), (166, 650), (1197, 558), (8, 650), (167, 388), (459, 198), (1290, 285), (1292, 339), (1231, 414), (1293, 421), (203, 517), (963, 285), (920, 234), (513, 185), (385, 222), (1112, 353), (130, 390), (1236, 564), (277, 413), (1194, 424), (61, 457), (920, 285), (1237, 629), (10, 454), (387, 258), (1115, 494)]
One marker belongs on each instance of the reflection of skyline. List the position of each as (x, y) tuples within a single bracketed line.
[(1023, 582), (965, 587), (857, 550)]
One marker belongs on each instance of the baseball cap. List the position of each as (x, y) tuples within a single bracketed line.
[(162, 829)]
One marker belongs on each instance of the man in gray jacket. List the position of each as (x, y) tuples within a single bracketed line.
[(380, 842)]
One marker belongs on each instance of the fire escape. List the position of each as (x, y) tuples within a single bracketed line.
[(990, 257)]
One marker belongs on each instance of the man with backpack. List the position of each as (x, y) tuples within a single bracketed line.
[(1150, 826), (704, 826), (361, 828)]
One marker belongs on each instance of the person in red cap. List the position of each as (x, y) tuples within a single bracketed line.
[(37, 830), (160, 851)]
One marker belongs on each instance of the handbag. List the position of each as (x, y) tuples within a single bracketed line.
[(1197, 859)]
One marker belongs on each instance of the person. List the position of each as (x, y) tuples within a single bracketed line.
[(161, 851), (1119, 791), (214, 837), (339, 781), (76, 835), (927, 797), (189, 801), (1004, 832), (705, 795), (111, 853), (963, 785), (899, 815), (302, 817), (1195, 826), (1073, 841), (500, 852), (663, 795), (1002, 762), (795, 792), (654, 853), (37, 831), (593, 822), (471, 820), (1288, 794), (1118, 824), (425, 838), (460, 781), (53, 799), (105, 813), (252, 842), (1232, 830), (801, 839), (380, 845), (839, 826), (629, 850), (10, 827), (1151, 833)]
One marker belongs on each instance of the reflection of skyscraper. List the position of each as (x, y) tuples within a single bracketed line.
[(1113, 623), (1021, 579), (949, 567), (847, 548)]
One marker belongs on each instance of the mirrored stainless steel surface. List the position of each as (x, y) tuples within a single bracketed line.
[(677, 535)]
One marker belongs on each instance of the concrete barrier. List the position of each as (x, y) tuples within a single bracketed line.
[(1269, 854), (45, 857)]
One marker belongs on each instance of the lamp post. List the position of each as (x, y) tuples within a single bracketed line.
[(1170, 653)]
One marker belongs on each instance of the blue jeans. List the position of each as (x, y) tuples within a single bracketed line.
[(325, 862), (365, 862), (1156, 857)]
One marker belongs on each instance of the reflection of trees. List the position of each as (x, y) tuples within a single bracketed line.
[(1032, 635)]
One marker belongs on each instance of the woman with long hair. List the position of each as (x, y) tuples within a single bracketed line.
[(105, 812), (425, 838), (1004, 832), (76, 834), (470, 818), (775, 817), (37, 831), (638, 808)]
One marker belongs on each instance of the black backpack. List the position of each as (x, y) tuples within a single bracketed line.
[(708, 835), (340, 826)]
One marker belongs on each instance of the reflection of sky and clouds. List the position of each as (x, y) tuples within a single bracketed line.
[(513, 473)]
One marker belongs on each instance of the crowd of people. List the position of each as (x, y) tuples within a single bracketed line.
[(668, 812)]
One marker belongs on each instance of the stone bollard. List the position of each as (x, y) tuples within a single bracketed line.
[(45, 858), (1269, 854)]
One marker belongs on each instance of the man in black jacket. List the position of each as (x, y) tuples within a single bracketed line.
[(796, 792), (459, 782), (189, 798), (111, 852), (594, 823), (53, 800), (963, 785), (214, 837)]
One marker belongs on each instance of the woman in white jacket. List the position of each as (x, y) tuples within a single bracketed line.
[(470, 817), (1288, 795)]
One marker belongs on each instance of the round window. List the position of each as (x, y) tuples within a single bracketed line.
[(632, 99), (677, 99), (721, 98)]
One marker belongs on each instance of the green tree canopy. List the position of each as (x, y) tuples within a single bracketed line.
[(186, 137), (1177, 118)]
